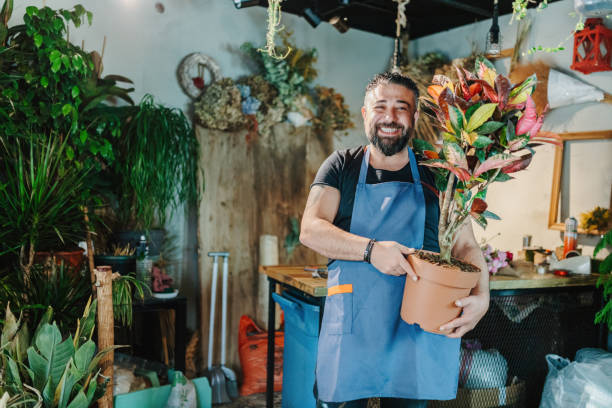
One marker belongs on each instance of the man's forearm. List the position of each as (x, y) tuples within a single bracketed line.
[(333, 242)]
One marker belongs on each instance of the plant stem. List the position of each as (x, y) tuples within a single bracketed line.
[(443, 224)]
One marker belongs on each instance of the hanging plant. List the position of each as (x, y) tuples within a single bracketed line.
[(274, 27)]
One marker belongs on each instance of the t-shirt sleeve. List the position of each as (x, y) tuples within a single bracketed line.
[(330, 171)]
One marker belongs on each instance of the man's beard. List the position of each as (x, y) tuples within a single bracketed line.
[(386, 145)]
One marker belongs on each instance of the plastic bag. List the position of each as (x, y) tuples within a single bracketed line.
[(481, 368), (182, 393), (253, 352), (585, 382)]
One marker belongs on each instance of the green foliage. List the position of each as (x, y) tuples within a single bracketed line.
[(40, 196), (156, 165), (123, 287), (49, 286), (63, 371), (292, 240), (50, 86), (290, 76), (605, 280)]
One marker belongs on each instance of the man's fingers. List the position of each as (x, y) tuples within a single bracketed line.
[(405, 250), (459, 321), (464, 301), (405, 265)]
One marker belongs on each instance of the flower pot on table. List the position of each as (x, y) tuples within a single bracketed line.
[(430, 301)]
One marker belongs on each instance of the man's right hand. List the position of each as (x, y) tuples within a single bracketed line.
[(389, 257)]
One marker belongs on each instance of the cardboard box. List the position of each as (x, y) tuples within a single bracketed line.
[(485, 398)]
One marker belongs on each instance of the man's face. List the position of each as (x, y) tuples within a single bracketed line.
[(389, 114)]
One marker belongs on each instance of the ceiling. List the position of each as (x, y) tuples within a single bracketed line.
[(378, 16)]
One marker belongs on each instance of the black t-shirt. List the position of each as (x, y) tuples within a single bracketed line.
[(341, 171)]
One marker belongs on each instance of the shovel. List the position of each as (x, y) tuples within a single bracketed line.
[(222, 379)]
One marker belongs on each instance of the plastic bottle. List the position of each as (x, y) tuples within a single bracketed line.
[(144, 263), (570, 235)]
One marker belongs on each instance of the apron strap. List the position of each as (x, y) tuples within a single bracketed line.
[(416, 177)]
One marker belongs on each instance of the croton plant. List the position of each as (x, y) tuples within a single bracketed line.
[(489, 128)]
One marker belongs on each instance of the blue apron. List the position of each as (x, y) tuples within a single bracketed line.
[(365, 348)]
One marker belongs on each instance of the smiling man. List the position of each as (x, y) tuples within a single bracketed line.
[(366, 210)]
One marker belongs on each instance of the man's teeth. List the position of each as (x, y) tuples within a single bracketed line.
[(388, 130)]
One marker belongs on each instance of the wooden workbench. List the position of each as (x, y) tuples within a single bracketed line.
[(298, 278)]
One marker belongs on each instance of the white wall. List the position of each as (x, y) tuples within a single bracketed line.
[(147, 46), (523, 203)]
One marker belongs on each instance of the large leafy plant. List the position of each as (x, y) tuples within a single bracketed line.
[(489, 127), (48, 84), (40, 197), (605, 280), (63, 372), (156, 166)]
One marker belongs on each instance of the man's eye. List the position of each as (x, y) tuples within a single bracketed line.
[(379, 107)]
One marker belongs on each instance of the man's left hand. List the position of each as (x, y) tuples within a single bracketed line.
[(474, 308)]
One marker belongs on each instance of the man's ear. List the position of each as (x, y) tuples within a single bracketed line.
[(363, 112), (416, 118)]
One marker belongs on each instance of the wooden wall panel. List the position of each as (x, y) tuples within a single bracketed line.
[(250, 190)]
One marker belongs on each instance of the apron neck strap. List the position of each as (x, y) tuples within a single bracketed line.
[(366, 162)]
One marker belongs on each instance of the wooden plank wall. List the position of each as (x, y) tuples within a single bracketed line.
[(250, 189)]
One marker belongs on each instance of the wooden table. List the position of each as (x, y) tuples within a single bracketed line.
[(296, 277)]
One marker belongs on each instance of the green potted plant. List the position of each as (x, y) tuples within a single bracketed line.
[(489, 127), (49, 369), (40, 200), (605, 280), (155, 169)]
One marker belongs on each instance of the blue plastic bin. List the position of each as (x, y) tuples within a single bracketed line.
[(300, 353)]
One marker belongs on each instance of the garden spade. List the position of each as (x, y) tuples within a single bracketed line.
[(222, 379)]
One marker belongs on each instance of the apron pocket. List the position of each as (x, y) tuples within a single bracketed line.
[(338, 315)]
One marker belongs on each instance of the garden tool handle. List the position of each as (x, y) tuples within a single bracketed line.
[(224, 306), (213, 295)]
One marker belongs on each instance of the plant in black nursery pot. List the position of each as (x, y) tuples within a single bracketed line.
[(155, 170)]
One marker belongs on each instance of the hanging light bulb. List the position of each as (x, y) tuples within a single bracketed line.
[(493, 36)]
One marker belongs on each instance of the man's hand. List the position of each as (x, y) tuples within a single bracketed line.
[(389, 258), (474, 308)]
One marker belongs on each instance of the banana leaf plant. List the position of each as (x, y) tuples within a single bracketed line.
[(63, 372), (489, 128)]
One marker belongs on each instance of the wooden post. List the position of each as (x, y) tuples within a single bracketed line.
[(90, 254), (106, 334)]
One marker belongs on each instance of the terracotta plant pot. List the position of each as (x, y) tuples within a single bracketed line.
[(430, 301), (72, 259)]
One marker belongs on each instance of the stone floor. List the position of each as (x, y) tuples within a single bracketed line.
[(259, 401)]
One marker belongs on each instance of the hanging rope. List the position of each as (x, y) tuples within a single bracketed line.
[(400, 22), (274, 27)]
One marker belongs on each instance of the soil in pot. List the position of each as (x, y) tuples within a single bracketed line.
[(430, 301)]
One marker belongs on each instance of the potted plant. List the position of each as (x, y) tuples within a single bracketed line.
[(40, 199), (49, 369), (605, 280), (489, 127), (155, 169)]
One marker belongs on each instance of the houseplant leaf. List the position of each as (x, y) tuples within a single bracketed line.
[(495, 162), (489, 127), (480, 116), (455, 155), (519, 164)]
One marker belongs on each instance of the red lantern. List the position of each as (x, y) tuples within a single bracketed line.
[(592, 47)]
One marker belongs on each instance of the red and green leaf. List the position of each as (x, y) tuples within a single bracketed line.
[(461, 174), (502, 86), (519, 164), (455, 155), (495, 162)]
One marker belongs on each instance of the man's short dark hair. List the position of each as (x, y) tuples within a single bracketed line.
[(393, 78)]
